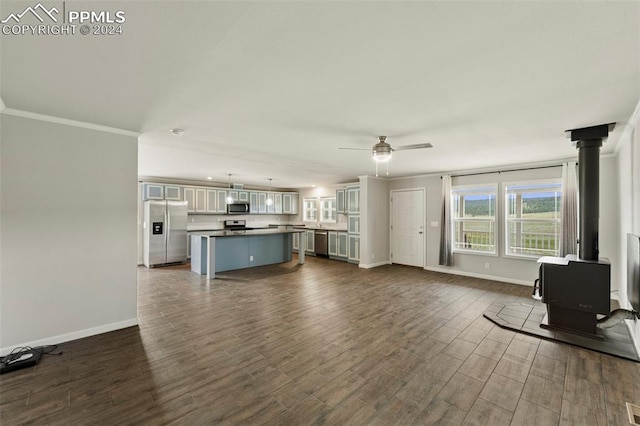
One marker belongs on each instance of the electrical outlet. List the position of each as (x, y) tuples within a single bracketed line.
[(250, 258), (487, 265)]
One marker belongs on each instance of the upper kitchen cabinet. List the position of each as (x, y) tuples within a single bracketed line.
[(212, 201), (221, 203), (172, 193), (201, 200), (238, 196), (286, 204), (253, 202), (289, 203), (353, 199), (262, 202), (155, 191), (190, 198), (196, 199), (243, 196), (152, 191), (341, 205), (209, 200), (277, 203), (274, 203)]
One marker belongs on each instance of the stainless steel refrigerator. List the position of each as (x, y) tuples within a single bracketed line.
[(165, 232)]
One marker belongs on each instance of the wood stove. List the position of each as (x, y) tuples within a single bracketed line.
[(577, 288)]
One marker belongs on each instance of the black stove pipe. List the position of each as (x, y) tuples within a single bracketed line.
[(589, 141), (589, 190)]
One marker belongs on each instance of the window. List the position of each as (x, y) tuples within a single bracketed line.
[(533, 218), (474, 218), (310, 210), (328, 209)]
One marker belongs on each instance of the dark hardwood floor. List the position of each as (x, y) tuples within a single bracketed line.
[(323, 343)]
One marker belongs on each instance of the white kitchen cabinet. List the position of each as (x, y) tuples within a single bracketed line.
[(338, 245), (286, 204), (271, 205), (353, 224), (172, 193), (311, 241), (290, 203), (212, 200), (201, 200), (277, 203), (262, 202), (353, 199), (190, 198), (343, 244), (231, 193), (354, 248), (221, 204), (253, 202), (296, 242), (243, 196), (332, 248), (341, 205), (152, 191)]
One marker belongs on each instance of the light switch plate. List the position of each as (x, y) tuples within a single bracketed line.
[(434, 224)]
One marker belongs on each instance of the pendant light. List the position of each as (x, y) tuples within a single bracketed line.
[(230, 199), (269, 197)]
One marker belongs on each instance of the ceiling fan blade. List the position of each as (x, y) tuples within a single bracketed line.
[(355, 149), (415, 146)]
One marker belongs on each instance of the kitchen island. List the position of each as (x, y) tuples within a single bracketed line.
[(224, 250)]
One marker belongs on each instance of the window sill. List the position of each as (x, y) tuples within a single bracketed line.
[(531, 257), (476, 253)]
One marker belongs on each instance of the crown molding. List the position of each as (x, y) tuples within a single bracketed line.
[(633, 123), (65, 121)]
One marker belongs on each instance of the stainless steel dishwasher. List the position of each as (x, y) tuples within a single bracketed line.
[(321, 242)]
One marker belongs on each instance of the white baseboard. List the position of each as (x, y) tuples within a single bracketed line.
[(374, 265), (482, 276), (61, 338)]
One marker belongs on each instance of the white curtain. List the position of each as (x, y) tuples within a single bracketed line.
[(446, 253), (569, 211)]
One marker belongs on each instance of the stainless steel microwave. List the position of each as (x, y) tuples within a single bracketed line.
[(238, 208)]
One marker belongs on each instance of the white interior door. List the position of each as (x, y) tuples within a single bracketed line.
[(407, 227)]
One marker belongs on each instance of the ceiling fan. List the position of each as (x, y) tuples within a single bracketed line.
[(381, 152)]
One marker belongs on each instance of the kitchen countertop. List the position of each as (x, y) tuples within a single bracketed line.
[(324, 228), (249, 232), (312, 227)]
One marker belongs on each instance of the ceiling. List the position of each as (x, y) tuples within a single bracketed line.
[(272, 89)]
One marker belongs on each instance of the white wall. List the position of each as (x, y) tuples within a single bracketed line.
[(628, 168), (374, 222), (67, 231)]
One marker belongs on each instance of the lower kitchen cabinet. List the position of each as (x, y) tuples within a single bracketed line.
[(338, 245), (354, 248), (311, 241), (343, 245)]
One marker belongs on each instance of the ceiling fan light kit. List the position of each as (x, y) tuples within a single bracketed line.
[(382, 151)]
